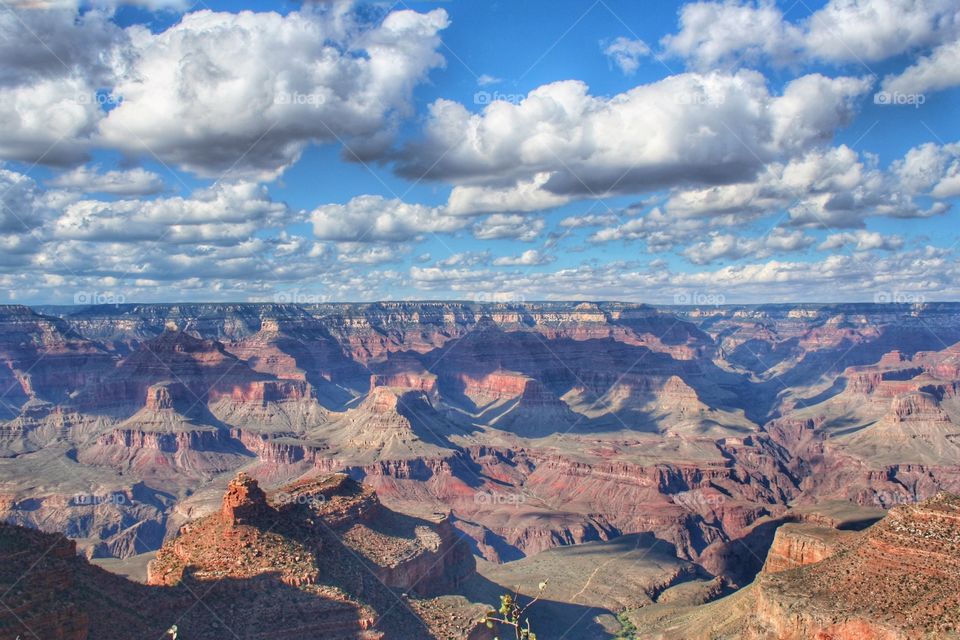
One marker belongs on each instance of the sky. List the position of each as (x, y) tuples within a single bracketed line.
[(661, 152)]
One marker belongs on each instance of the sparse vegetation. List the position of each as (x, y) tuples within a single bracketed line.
[(513, 616), (628, 630)]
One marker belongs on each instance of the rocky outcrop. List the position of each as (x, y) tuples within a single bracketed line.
[(538, 425), (50, 592), (43, 359), (314, 533), (917, 407), (179, 369), (35, 595), (245, 502), (797, 545), (892, 581)]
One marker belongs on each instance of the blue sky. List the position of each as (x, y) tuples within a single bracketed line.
[(658, 152)]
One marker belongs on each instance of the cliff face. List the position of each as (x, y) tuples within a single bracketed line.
[(538, 425), (36, 596), (42, 358), (895, 580), (797, 545), (318, 534)]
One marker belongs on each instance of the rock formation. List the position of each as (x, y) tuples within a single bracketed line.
[(324, 560), (534, 426), (893, 581)]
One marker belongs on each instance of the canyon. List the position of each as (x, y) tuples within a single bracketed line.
[(712, 448)]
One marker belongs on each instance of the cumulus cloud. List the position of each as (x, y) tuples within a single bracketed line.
[(927, 272), (873, 30), (939, 70), (831, 187), (931, 169), (337, 80), (130, 182), (48, 121), (626, 53), (224, 214), (862, 240), (86, 47), (54, 62), (512, 227), (734, 32), (375, 219), (524, 196), (529, 258), (659, 230), (589, 220), (732, 247), (717, 33), (467, 259), (209, 94), (709, 128), (19, 208), (366, 254)]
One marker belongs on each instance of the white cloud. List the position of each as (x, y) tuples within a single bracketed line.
[(718, 33), (485, 80), (23, 206), (928, 272), (626, 53), (529, 258), (873, 30), (731, 247), (524, 196), (828, 188), (689, 128), (589, 220), (375, 219), (862, 240), (811, 109), (467, 259), (743, 32), (211, 94), (931, 168), (939, 70), (130, 182), (48, 101), (514, 227), (225, 214), (48, 121), (366, 254)]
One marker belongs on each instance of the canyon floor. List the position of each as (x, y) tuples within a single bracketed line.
[(668, 469)]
